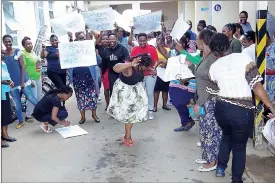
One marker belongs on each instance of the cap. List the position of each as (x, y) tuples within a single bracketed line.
[(194, 59), (250, 35)]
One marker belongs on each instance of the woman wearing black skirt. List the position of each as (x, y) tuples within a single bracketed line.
[(6, 117)]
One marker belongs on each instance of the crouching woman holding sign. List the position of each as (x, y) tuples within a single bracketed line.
[(129, 102), (51, 108)]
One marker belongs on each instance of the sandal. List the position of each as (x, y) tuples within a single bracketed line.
[(43, 128), (128, 143), (82, 121), (9, 139), (166, 108)]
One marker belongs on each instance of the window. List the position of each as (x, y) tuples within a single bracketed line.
[(51, 12), (11, 24), (40, 6)]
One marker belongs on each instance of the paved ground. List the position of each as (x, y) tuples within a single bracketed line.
[(159, 155)]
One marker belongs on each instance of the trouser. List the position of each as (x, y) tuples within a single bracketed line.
[(36, 91), (236, 123), (61, 115), (59, 80), (180, 98), (15, 93), (149, 84)]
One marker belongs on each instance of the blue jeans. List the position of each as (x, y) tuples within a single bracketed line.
[(61, 115), (236, 124), (180, 98), (27, 91)]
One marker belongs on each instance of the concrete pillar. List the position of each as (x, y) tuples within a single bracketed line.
[(202, 12), (250, 7), (228, 13), (187, 8), (181, 8)]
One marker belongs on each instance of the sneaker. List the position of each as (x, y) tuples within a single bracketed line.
[(151, 115), (20, 125), (199, 144), (220, 172)]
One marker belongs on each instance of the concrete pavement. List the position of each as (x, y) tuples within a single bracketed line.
[(159, 154)]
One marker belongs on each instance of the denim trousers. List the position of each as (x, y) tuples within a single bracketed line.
[(36, 91), (149, 84), (15, 93), (61, 115), (236, 123), (180, 98)]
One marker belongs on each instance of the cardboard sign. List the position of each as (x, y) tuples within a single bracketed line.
[(40, 38), (179, 28), (77, 54), (148, 23), (72, 22), (100, 20)]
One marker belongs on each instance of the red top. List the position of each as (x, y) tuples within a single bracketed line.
[(152, 52)]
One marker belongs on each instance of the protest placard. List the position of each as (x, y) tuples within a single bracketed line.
[(120, 21), (100, 20), (129, 14), (72, 22), (148, 23), (40, 38), (77, 54), (179, 28), (176, 69)]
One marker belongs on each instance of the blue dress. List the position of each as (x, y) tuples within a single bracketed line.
[(270, 79)]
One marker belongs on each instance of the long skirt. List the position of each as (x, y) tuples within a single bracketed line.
[(85, 92), (6, 113), (210, 132), (128, 103)]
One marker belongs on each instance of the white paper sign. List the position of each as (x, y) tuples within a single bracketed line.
[(148, 23), (72, 22), (179, 28), (100, 20), (120, 21), (129, 14), (71, 131), (77, 54), (175, 69)]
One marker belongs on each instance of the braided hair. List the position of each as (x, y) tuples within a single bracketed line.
[(231, 27), (66, 89), (145, 59), (219, 44)]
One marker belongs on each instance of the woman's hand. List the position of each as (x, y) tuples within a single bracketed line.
[(132, 29), (271, 115), (22, 85), (196, 109), (153, 72), (135, 62), (57, 54), (11, 84), (86, 27), (70, 34), (43, 46)]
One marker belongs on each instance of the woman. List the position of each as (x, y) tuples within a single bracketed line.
[(121, 38), (16, 67), (54, 71), (239, 31), (270, 69), (201, 25), (51, 108), (86, 86), (104, 44), (234, 110), (235, 45), (33, 67), (6, 117), (210, 131), (129, 102), (116, 53), (161, 86)]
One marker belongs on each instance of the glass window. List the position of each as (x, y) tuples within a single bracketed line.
[(40, 4), (51, 14), (14, 36), (50, 5), (9, 7), (41, 17)]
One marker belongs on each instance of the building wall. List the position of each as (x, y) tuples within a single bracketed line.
[(122, 7), (169, 9)]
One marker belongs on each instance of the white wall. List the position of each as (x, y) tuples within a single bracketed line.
[(200, 14), (250, 7)]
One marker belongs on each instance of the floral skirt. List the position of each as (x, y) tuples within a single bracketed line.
[(210, 132), (85, 92), (270, 87), (128, 103)]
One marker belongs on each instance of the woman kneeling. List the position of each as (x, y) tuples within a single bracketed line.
[(51, 108), (129, 102)]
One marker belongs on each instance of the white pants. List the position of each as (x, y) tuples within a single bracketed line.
[(149, 84), (37, 92)]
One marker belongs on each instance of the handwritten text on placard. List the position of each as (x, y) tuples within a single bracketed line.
[(77, 54), (100, 20), (148, 23)]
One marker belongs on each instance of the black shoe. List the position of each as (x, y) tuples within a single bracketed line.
[(28, 119), (82, 121), (97, 120), (5, 145), (10, 139)]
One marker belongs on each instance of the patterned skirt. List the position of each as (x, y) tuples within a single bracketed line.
[(128, 103), (210, 132), (85, 92)]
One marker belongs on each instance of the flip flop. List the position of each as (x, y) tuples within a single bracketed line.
[(128, 143), (46, 131)]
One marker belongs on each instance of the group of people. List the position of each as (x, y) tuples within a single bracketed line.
[(225, 78)]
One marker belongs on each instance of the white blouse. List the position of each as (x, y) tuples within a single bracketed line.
[(233, 77)]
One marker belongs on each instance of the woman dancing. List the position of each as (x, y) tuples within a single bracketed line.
[(129, 102)]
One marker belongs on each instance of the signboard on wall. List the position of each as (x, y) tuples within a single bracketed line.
[(217, 7)]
